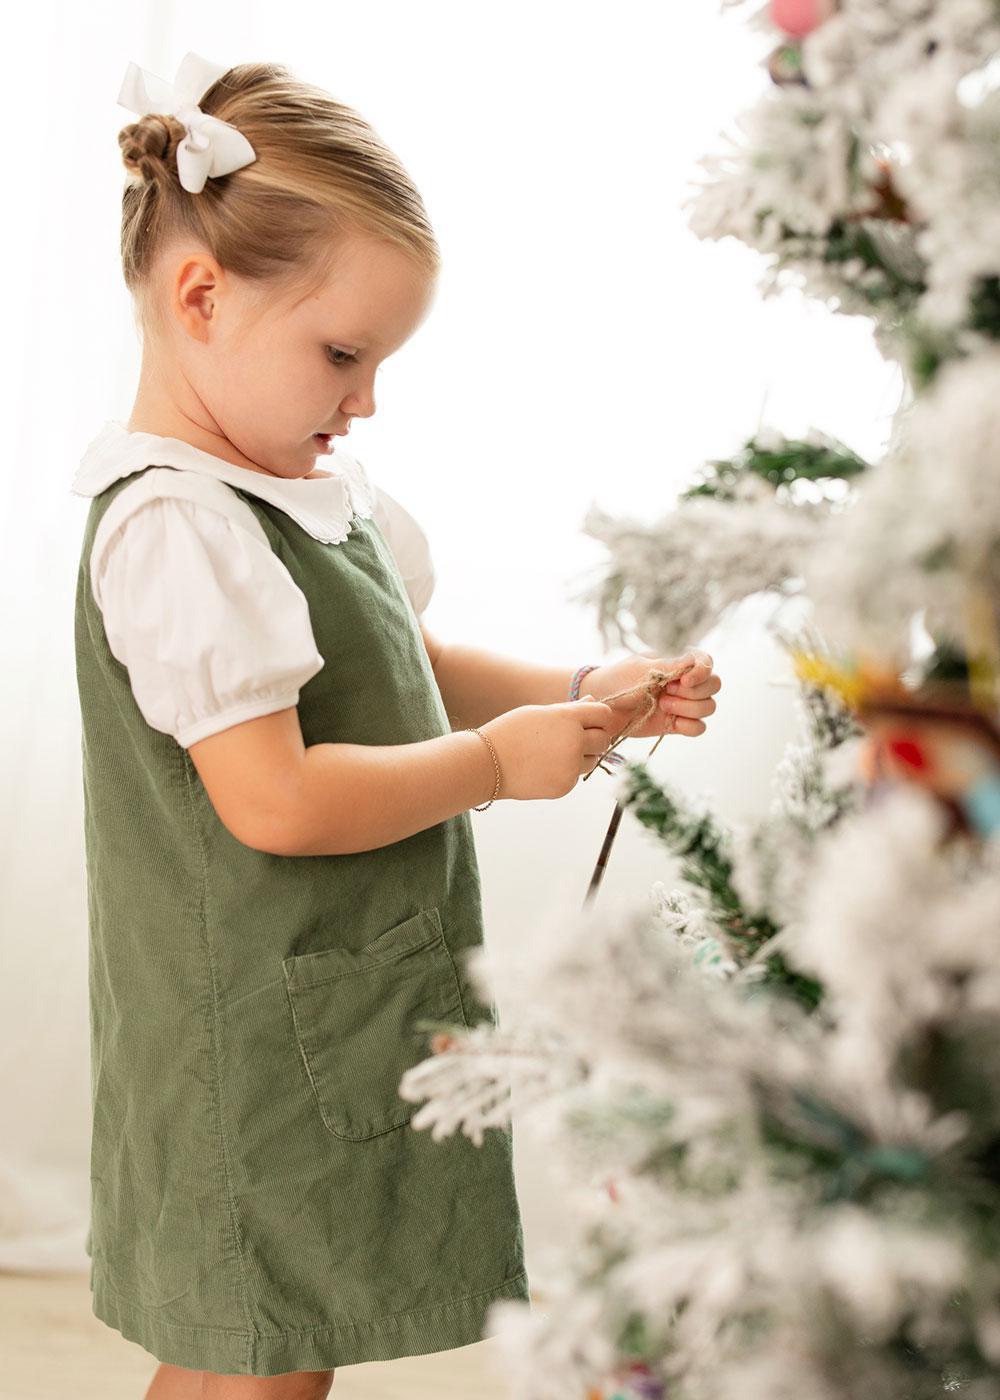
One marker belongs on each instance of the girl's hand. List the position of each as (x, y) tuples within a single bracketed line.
[(681, 706), (543, 749)]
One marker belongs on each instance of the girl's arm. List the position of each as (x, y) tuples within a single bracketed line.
[(276, 795), (478, 685)]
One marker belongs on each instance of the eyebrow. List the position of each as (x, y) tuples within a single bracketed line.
[(361, 344)]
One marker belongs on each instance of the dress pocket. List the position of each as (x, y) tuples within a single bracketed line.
[(354, 1014)]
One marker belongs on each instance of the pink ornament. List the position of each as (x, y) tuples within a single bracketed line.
[(800, 17)]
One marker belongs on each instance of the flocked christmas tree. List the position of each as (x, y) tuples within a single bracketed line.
[(777, 1087)]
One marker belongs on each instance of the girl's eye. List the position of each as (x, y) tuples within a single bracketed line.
[(332, 350)]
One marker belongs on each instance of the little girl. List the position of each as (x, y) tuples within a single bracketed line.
[(281, 872)]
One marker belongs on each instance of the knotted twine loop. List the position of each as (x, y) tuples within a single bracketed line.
[(649, 689)]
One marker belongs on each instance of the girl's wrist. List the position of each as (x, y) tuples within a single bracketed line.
[(496, 775)]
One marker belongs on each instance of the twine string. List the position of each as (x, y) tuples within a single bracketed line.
[(648, 691)]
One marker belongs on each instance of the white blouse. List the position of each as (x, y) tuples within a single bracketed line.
[(196, 605)]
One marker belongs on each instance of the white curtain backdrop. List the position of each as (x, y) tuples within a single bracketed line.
[(584, 348)]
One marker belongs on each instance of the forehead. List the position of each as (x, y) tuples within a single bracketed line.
[(371, 292)]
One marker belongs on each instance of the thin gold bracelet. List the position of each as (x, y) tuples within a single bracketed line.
[(471, 729)]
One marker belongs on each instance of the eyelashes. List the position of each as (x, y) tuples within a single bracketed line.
[(332, 350)]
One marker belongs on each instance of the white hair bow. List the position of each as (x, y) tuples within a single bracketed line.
[(211, 146)]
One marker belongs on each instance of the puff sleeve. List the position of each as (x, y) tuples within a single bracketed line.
[(208, 621), (410, 548)]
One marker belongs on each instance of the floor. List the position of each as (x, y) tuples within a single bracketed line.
[(52, 1347)]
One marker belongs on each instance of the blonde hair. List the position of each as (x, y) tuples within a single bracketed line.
[(322, 173)]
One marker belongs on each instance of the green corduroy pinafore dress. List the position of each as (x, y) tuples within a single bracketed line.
[(259, 1200)]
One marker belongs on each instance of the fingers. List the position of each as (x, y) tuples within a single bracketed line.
[(597, 740), (600, 722), (690, 727), (712, 686), (699, 676), (687, 708), (589, 708)]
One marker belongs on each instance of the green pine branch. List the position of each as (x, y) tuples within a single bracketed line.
[(705, 863), (794, 460), (700, 844)]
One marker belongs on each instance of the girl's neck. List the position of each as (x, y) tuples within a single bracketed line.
[(160, 426), (160, 420)]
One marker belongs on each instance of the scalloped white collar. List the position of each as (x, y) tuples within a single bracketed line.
[(323, 505)]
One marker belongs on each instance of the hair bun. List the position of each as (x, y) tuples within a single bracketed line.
[(148, 145)]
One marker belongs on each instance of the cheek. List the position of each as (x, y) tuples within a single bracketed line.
[(295, 393), (245, 373), (305, 381)]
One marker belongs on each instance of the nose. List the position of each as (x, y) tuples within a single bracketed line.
[(359, 404)]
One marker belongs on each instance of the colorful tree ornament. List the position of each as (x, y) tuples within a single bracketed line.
[(785, 66), (942, 735), (944, 746), (800, 17), (633, 1381)]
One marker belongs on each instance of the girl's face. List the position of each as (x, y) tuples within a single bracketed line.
[(259, 378)]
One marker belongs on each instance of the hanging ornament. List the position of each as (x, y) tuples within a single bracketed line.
[(785, 66), (800, 17), (633, 1381), (940, 743), (941, 735)]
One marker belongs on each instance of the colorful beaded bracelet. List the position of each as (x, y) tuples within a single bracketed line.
[(578, 675), (615, 759)]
